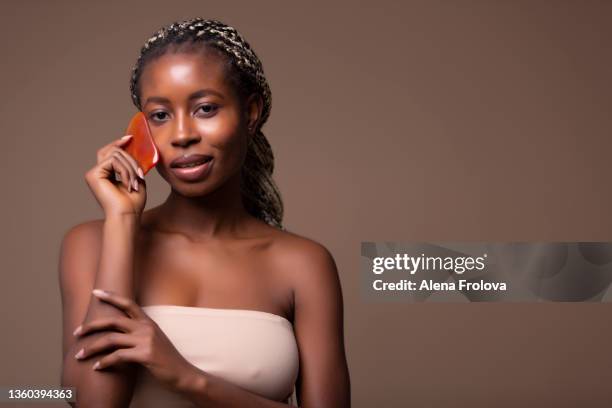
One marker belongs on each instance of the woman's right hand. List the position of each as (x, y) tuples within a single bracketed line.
[(117, 197)]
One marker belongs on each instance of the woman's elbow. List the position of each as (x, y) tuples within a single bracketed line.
[(92, 391), (67, 376), (67, 379)]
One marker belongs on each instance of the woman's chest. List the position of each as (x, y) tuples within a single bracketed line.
[(213, 275)]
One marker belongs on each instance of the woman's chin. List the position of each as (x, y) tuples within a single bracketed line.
[(192, 189)]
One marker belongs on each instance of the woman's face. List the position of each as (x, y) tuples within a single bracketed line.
[(191, 109)]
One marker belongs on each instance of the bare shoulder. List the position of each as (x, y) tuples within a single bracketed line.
[(307, 262), (85, 236), (91, 229), (80, 245), (79, 253)]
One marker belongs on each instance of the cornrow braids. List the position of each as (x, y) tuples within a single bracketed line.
[(260, 194)]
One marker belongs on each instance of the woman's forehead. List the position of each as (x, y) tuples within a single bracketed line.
[(174, 73)]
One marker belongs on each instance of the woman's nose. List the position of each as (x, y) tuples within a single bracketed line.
[(184, 133)]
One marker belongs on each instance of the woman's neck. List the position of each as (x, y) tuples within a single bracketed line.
[(215, 215)]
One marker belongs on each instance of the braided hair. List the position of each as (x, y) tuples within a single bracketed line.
[(260, 194)]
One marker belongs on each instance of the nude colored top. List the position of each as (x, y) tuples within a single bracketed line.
[(251, 349)]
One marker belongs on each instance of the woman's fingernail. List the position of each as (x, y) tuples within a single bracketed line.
[(98, 292), (126, 137), (135, 184), (97, 365), (79, 354), (141, 173), (77, 330)]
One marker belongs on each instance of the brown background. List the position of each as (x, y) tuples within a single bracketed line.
[(427, 121)]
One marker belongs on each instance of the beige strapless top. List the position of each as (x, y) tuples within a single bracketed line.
[(252, 349)]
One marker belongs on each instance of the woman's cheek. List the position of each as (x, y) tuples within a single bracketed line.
[(228, 145)]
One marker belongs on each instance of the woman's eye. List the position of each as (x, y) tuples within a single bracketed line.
[(156, 115), (161, 116), (207, 108)]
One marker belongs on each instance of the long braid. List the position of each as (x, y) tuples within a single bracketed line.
[(260, 194)]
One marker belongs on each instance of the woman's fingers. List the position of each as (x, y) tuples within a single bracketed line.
[(123, 140), (120, 356), (128, 305), (131, 160), (103, 152), (138, 173), (121, 323), (116, 148), (114, 165), (104, 343), (132, 181)]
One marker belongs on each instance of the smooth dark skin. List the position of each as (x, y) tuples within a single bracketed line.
[(201, 248)]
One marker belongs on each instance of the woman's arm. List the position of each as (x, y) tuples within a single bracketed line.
[(95, 256), (323, 381), (319, 327)]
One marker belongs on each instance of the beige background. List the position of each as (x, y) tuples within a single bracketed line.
[(428, 121)]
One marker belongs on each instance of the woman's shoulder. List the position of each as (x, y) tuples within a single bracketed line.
[(304, 257), (90, 229), (79, 251), (312, 276), (293, 244)]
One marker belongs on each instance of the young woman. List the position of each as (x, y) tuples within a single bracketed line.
[(205, 300)]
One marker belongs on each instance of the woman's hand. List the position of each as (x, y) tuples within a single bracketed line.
[(140, 340), (126, 197)]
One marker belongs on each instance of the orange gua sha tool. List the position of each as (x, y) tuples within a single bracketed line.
[(141, 147)]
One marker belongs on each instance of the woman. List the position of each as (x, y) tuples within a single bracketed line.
[(204, 300)]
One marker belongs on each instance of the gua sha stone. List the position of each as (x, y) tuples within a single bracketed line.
[(141, 147)]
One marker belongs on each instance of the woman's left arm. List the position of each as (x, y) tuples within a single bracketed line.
[(319, 327)]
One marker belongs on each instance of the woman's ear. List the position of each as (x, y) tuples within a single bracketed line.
[(254, 107)]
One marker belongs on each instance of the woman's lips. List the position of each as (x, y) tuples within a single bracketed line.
[(193, 173)]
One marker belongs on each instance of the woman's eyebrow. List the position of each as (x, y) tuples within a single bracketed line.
[(194, 95)]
